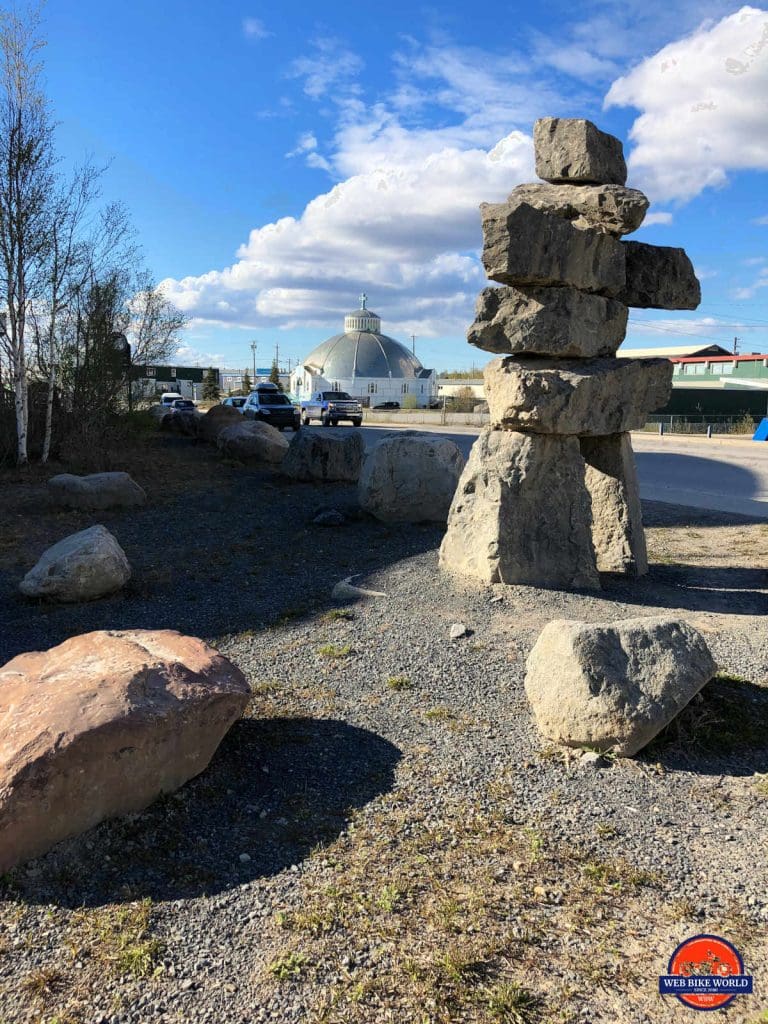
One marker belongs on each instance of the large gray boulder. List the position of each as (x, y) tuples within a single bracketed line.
[(81, 567), (183, 424), (573, 149), (615, 209), (331, 454), (614, 685), (617, 521), (575, 396), (252, 441), (410, 478), (215, 420), (98, 491), (521, 513), (560, 322), (525, 246), (101, 726), (659, 277)]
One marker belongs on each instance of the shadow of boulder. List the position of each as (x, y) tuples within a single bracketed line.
[(275, 789), (723, 731)]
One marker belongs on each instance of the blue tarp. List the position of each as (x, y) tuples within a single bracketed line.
[(761, 434)]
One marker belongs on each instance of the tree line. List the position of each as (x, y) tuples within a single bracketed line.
[(77, 308)]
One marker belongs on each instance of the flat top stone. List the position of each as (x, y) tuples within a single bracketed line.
[(574, 149)]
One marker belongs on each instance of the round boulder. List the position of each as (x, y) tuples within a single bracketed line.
[(410, 477), (335, 454), (612, 686), (252, 441), (98, 491), (82, 567), (214, 421)]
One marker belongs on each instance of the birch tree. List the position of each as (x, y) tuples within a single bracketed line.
[(27, 180)]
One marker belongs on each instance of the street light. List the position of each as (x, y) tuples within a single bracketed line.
[(253, 349)]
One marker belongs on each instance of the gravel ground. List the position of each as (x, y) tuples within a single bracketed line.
[(384, 837)]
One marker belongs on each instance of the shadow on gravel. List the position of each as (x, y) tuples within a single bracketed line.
[(238, 557), (275, 789), (723, 731)]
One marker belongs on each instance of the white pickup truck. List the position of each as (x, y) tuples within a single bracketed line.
[(331, 407)]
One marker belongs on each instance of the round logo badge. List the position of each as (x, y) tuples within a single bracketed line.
[(705, 973)]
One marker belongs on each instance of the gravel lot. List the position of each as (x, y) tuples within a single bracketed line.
[(384, 837)]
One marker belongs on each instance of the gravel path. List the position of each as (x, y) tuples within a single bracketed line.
[(384, 837)]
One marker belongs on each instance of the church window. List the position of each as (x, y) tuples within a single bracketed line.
[(372, 388)]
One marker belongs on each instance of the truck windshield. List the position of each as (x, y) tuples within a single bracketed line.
[(336, 396)]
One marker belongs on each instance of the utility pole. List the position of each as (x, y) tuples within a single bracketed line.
[(413, 343), (736, 346)]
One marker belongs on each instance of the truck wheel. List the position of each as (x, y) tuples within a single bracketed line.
[(296, 427), (305, 420), (356, 422), (326, 420)]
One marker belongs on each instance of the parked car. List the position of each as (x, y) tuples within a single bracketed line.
[(169, 397), (331, 407), (269, 404), (387, 405), (182, 405), (236, 402)]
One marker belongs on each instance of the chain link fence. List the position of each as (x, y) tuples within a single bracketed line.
[(671, 424)]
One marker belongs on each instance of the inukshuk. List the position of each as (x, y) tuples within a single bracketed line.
[(549, 495)]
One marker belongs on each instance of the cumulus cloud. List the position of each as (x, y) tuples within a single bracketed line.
[(186, 355), (405, 233), (703, 107)]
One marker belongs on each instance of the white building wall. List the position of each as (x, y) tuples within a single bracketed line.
[(304, 384)]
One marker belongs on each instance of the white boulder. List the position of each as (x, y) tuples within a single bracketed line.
[(81, 567), (331, 454), (410, 478), (614, 685), (97, 491), (252, 440)]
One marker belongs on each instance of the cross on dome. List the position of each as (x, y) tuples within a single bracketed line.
[(363, 300)]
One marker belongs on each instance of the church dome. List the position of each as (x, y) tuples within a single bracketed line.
[(362, 351)]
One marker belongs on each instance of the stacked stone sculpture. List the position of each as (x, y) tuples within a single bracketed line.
[(549, 496)]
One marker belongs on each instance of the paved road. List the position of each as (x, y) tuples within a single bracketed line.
[(727, 475)]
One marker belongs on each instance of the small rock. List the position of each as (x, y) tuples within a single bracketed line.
[(458, 630), (245, 858), (330, 517), (591, 759)]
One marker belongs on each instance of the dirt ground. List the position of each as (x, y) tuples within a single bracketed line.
[(416, 853)]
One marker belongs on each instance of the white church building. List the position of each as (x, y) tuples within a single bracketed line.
[(365, 363)]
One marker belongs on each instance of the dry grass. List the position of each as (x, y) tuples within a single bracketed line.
[(165, 467), (474, 919)]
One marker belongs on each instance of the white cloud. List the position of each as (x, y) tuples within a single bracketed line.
[(254, 28), (658, 217), (761, 220), (185, 355), (331, 68), (404, 233), (750, 290), (702, 100)]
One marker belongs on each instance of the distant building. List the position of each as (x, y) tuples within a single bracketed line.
[(154, 380), (709, 380), (365, 363)]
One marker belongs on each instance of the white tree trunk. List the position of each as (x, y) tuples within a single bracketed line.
[(20, 399), (49, 414)]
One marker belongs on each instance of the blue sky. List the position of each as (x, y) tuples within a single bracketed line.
[(277, 160)]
